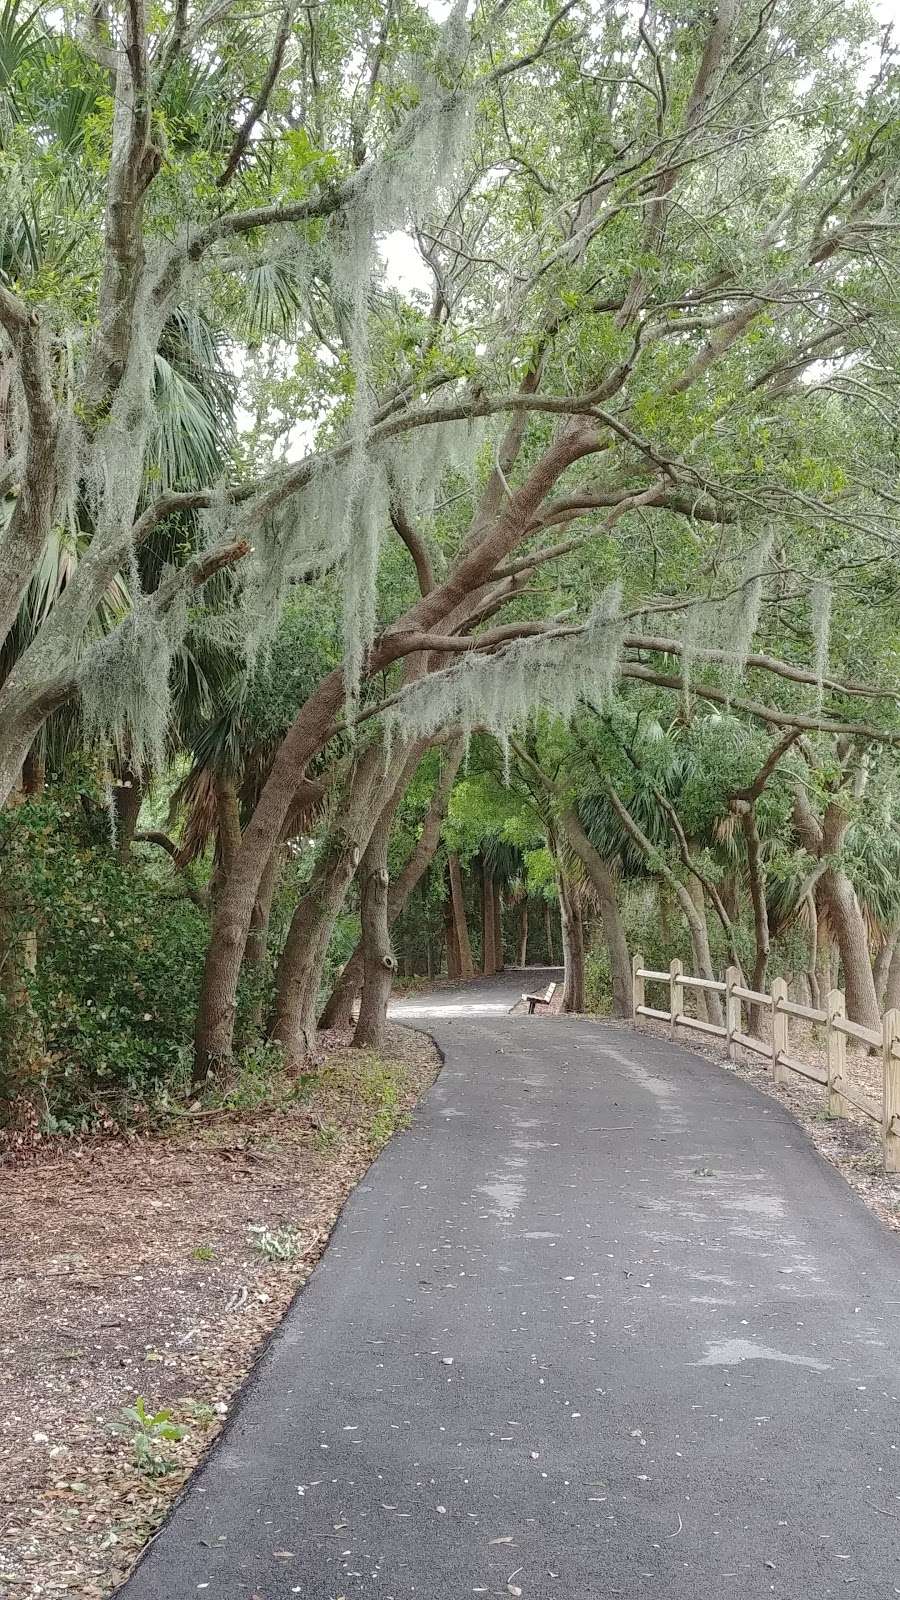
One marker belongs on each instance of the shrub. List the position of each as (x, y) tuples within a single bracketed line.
[(110, 1001)]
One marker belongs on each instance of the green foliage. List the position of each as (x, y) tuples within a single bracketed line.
[(327, 1137), (148, 1432), (276, 1244), (381, 1090), (119, 955)]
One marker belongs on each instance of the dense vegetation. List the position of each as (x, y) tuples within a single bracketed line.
[(448, 458)]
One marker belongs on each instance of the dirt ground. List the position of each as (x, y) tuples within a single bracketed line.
[(154, 1267)]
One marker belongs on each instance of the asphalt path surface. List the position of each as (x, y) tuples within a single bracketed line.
[(600, 1323)]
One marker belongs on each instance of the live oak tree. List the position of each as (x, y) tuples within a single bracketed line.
[(639, 431)]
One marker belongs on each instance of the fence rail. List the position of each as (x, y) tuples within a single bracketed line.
[(841, 1094)]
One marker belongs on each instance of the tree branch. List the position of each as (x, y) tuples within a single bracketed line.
[(242, 137), (415, 545)]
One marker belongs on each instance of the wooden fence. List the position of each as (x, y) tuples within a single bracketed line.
[(838, 1027)]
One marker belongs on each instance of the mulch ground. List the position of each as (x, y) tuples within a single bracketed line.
[(149, 1267)]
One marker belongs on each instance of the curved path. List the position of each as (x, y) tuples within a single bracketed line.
[(601, 1323)]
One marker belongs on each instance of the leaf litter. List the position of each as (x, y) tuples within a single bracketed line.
[(127, 1272)]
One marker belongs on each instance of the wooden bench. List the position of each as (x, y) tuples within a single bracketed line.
[(540, 999)]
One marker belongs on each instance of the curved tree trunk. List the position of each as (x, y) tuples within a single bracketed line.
[(815, 992), (710, 1003), (306, 946), (258, 938), (338, 1009), (303, 958), (892, 987), (756, 874), (882, 965), (257, 947), (837, 897), (573, 947), (461, 926), (695, 919), (497, 528), (341, 1000), (613, 927), (214, 1033), (228, 828), (698, 927), (378, 957), (34, 773), (846, 918)]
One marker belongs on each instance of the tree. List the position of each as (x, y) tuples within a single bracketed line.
[(635, 435)]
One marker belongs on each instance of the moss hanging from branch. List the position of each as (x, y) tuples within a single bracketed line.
[(126, 682), (500, 691)]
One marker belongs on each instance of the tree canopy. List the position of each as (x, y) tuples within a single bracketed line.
[(386, 382)]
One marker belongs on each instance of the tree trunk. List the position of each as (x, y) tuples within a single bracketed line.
[(757, 877), (461, 926), (378, 958), (214, 1032), (339, 1006), (523, 934), (694, 916), (824, 971), (548, 933), (613, 927), (258, 938), (731, 895), (128, 798), (228, 828), (892, 987), (338, 1011), (573, 942), (839, 896), (816, 997), (34, 773), (303, 958), (300, 968), (257, 947), (883, 964), (564, 933), (710, 1003), (488, 922)]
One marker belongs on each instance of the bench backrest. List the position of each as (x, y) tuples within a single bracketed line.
[(551, 990)]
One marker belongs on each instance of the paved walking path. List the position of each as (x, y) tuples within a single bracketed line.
[(601, 1323)]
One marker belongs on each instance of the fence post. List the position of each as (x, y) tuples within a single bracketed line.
[(835, 1006), (890, 1104), (637, 985), (780, 1073), (676, 994), (732, 1008)]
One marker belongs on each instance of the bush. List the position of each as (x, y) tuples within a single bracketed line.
[(110, 1002)]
